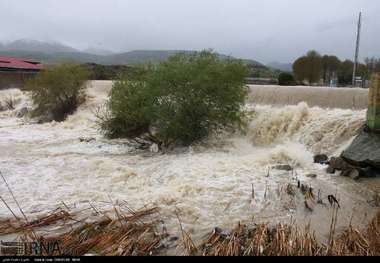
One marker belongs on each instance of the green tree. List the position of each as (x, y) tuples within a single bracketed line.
[(286, 79), (57, 92), (330, 67), (308, 67), (345, 72), (179, 101)]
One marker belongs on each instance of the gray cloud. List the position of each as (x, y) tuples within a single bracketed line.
[(271, 30)]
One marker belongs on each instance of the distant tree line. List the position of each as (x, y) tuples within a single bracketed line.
[(314, 68), (255, 71), (111, 72)]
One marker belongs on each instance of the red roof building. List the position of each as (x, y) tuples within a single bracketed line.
[(9, 63), (14, 72)]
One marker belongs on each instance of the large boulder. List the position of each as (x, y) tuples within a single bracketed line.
[(339, 163), (364, 151), (361, 158)]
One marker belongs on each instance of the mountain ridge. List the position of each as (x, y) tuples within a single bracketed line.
[(37, 46), (54, 52), (281, 66)]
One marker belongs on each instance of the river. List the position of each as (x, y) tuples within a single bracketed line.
[(210, 183)]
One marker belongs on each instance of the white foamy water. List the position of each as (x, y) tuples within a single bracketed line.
[(210, 184), (345, 98)]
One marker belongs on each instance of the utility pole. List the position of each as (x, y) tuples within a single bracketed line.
[(357, 50)]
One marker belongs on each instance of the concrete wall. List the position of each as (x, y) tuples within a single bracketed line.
[(14, 79), (324, 97)]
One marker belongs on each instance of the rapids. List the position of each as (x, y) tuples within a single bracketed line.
[(210, 184)]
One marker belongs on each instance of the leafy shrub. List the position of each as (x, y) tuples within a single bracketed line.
[(58, 92), (178, 101), (285, 79), (128, 110)]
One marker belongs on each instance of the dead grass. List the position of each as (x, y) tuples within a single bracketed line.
[(136, 233), (289, 240), (127, 234)]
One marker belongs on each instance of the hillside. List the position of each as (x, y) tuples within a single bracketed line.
[(36, 46), (281, 66), (128, 58), (57, 53)]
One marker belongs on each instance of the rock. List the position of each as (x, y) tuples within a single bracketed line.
[(352, 173), (321, 159), (21, 113), (311, 175), (369, 172), (46, 118), (339, 163), (330, 170), (283, 167), (154, 148), (364, 151), (218, 230), (345, 173), (173, 238), (91, 139)]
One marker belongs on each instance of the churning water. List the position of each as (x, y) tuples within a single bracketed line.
[(210, 184)]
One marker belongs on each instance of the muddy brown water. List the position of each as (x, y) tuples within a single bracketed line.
[(210, 183)]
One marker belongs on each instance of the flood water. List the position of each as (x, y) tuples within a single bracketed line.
[(210, 184)]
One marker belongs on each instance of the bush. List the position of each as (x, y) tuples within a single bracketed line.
[(178, 101), (58, 92), (286, 79), (128, 110)]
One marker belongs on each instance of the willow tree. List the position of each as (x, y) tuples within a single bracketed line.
[(308, 68), (178, 101)]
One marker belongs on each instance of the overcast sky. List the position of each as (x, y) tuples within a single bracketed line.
[(265, 30)]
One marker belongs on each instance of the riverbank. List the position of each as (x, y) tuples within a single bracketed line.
[(127, 232)]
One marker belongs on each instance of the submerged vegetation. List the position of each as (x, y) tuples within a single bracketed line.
[(127, 232), (57, 92), (178, 101)]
